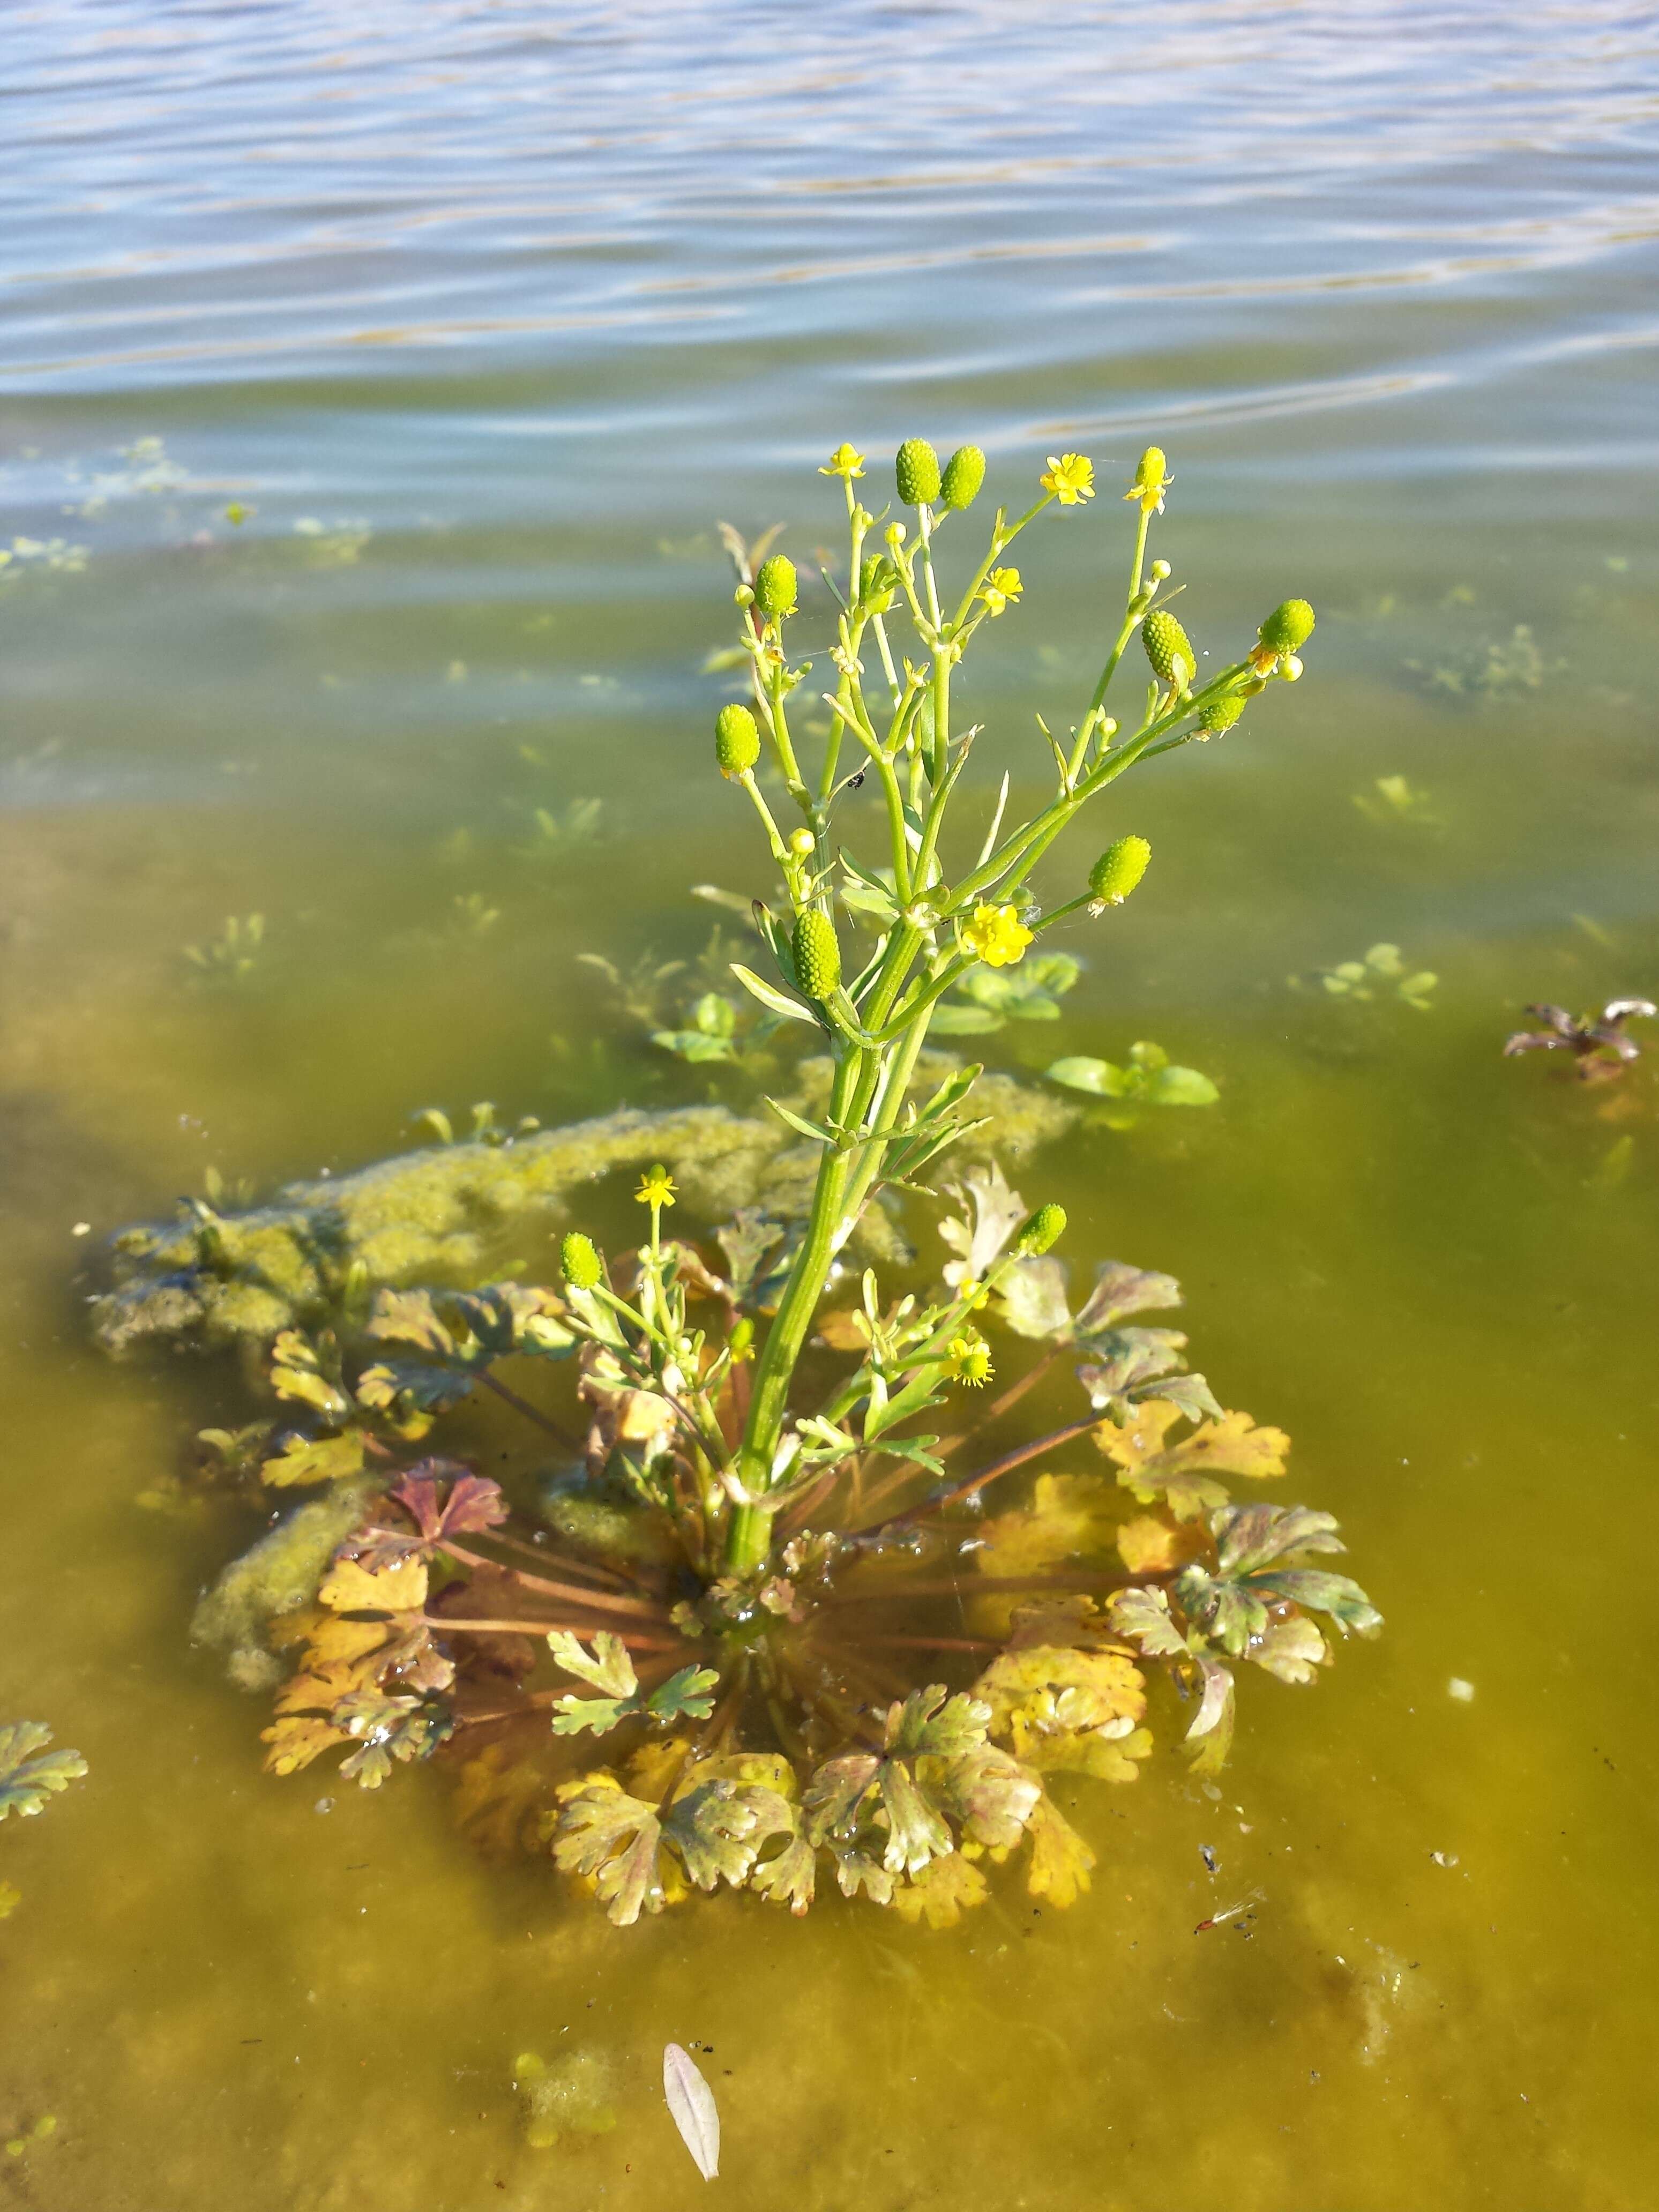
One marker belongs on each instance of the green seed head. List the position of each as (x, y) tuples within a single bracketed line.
[(1288, 628), (1118, 869), (1220, 715), (1168, 649), (965, 472), (915, 467), (1043, 1230), (817, 952), (775, 587), (579, 1262), (878, 579), (737, 740)]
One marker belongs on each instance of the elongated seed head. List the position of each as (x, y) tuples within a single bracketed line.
[(1288, 628), (1220, 715), (775, 587), (965, 472), (1118, 869), (737, 739), (915, 469), (1168, 649), (1043, 1230), (579, 1262), (817, 952)]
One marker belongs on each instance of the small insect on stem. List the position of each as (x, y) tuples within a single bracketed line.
[(1231, 1912)]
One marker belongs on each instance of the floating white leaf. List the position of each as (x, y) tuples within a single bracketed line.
[(691, 2103)]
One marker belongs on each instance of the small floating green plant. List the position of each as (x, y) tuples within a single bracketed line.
[(785, 1614)]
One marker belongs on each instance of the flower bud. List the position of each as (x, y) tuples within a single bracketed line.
[(1168, 649), (1150, 482), (915, 469), (775, 587), (802, 844), (816, 951), (737, 740), (1288, 628), (1290, 667), (1160, 572), (1044, 1230), (579, 1262), (742, 1336), (1220, 715), (965, 472), (1118, 869), (877, 580)]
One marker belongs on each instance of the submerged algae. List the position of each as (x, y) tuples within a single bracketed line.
[(434, 1216), (429, 1216), (276, 1576)]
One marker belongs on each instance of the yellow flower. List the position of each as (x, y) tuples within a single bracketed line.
[(969, 1360), (1150, 482), (844, 462), (1071, 477), (997, 934), (656, 1187), (1000, 588), (972, 1293)]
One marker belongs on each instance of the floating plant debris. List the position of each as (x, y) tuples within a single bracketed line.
[(1600, 1049)]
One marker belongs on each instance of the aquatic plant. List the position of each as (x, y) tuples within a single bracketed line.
[(232, 957), (1147, 1079), (787, 1639), (1370, 976), (1600, 1049), (29, 1772)]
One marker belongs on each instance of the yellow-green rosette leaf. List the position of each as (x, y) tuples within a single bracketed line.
[(817, 952), (737, 740), (965, 472), (1168, 649), (915, 471), (775, 588), (1118, 869)]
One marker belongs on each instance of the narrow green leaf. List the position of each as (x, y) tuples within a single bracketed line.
[(779, 1002)]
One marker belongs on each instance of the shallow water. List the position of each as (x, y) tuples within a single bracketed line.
[(483, 314)]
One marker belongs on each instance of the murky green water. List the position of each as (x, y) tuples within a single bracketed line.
[(484, 314)]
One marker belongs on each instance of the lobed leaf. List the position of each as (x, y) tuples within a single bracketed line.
[(1120, 1291), (1070, 1517), (1182, 1475), (1033, 1297), (1143, 1616), (303, 1460), (349, 1587), (613, 1838), (29, 1772), (940, 1892), (1061, 1862)]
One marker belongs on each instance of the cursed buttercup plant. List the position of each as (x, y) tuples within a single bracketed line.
[(786, 1638)]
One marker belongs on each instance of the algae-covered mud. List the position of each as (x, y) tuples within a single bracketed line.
[(363, 619)]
